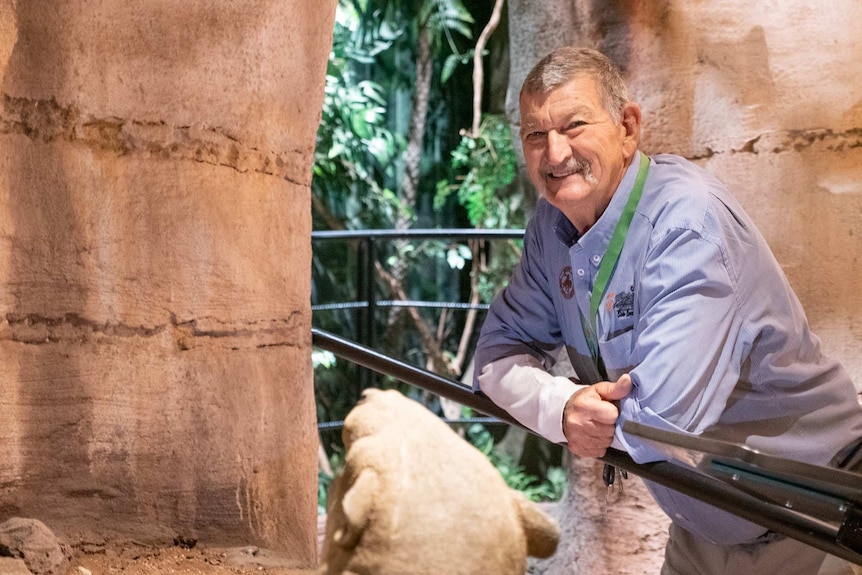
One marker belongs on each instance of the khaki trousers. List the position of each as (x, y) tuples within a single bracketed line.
[(774, 554), (687, 554)]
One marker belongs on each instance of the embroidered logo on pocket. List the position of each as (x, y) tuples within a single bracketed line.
[(567, 286), (623, 303)]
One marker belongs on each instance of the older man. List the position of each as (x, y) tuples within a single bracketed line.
[(673, 311)]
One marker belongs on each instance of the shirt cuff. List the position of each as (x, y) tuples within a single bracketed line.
[(520, 385)]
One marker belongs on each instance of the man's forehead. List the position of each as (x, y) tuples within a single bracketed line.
[(582, 82), (581, 88), (556, 105)]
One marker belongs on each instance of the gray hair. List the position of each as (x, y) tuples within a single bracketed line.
[(562, 66)]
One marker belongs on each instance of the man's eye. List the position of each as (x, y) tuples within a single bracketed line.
[(535, 135), (577, 124)]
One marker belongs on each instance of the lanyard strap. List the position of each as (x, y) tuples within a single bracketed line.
[(610, 259)]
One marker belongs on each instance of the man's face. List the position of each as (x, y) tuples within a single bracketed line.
[(576, 152)]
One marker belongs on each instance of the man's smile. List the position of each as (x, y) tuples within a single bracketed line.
[(572, 167)]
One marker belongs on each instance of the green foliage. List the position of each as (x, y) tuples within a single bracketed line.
[(322, 359), (451, 63), (442, 17), (485, 165), (356, 159), (324, 480), (550, 488), (367, 105), (355, 149), (359, 160)]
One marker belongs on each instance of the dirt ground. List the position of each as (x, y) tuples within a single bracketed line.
[(132, 558)]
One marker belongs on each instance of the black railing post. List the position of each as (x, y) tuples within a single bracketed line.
[(365, 293), (370, 298)]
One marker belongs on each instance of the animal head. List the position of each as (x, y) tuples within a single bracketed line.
[(380, 409)]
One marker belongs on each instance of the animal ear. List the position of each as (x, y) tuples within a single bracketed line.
[(541, 530), (357, 504)]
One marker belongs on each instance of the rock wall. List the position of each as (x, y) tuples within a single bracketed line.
[(155, 168), (767, 96), (614, 533)]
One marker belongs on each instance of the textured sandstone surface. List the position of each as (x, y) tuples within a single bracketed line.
[(154, 224), (767, 96)]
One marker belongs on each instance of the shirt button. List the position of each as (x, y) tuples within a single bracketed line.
[(581, 273), (596, 259)]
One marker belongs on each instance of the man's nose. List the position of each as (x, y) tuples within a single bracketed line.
[(559, 149)]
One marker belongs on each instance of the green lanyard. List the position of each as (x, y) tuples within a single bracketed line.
[(609, 262)]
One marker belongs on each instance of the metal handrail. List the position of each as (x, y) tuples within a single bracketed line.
[(339, 424), (417, 233), (401, 303), (369, 236), (788, 522)]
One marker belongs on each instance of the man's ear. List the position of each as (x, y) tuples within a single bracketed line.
[(630, 120)]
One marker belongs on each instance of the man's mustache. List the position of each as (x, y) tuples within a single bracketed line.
[(571, 166)]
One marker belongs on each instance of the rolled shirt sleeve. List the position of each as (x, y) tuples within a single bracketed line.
[(521, 339), (524, 388)]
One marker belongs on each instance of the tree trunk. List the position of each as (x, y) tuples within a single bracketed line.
[(416, 132), (407, 196), (623, 533)]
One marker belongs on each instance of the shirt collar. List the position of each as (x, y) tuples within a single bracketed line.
[(565, 230), (597, 237)]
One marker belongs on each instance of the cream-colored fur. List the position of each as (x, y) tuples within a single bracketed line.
[(415, 498)]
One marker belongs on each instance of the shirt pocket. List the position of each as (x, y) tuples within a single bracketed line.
[(616, 349)]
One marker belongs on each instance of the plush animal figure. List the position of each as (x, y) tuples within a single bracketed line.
[(415, 498)]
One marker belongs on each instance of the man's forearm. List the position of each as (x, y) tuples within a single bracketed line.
[(528, 392)]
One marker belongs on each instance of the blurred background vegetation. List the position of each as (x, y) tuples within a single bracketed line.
[(403, 145)]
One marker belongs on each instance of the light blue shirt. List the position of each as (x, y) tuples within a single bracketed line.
[(698, 312)]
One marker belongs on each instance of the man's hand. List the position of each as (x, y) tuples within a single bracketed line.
[(590, 415)]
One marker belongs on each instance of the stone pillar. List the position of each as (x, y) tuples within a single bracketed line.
[(155, 168)]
